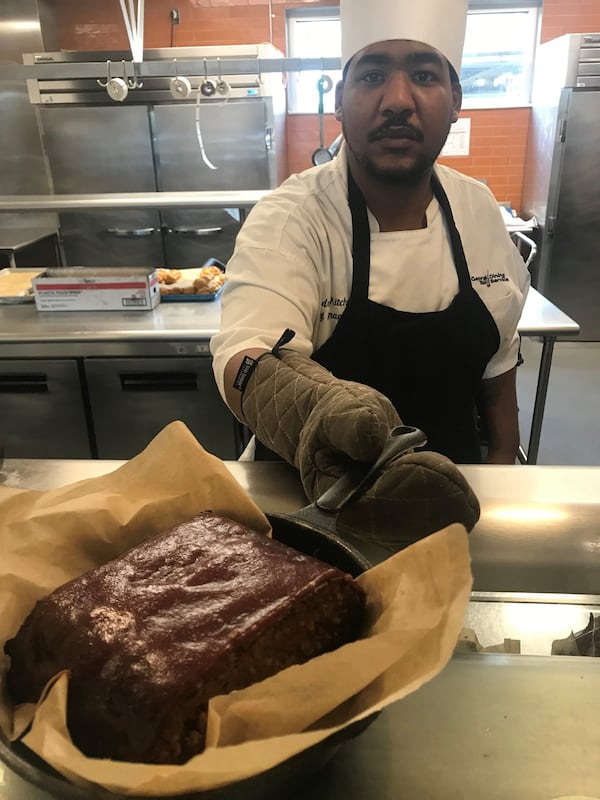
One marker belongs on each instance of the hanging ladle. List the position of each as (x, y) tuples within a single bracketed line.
[(322, 154)]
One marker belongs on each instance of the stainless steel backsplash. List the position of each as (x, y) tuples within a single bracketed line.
[(25, 26)]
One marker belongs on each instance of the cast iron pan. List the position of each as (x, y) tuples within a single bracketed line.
[(278, 782), (305, 530), (316, 523)]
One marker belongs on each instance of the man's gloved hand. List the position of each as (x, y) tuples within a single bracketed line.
[(314, 421), (416, 495), (321, 425)]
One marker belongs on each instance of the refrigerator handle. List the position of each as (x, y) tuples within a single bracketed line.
[(196, 231), (158, 381), (132, 233), (24, 383), (269, 137)]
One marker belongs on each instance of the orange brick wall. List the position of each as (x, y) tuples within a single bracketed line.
[(97, 24), (570, 16), (303, 138), (498, 137), (497, 151)]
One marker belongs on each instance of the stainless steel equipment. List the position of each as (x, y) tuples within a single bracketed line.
[(159, 138), (102, 385), (132, 399), (562, 176), (25, 25), (42, 409)]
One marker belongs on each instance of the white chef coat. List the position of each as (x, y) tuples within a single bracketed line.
[(292, 265)]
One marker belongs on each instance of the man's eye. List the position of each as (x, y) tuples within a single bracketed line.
[(373, 76), (425, 76)]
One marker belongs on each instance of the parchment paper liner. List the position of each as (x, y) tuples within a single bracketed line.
[(417, 600)]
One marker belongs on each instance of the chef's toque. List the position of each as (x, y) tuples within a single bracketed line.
[(437, 23)]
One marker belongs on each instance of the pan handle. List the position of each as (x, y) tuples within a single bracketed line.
[(401, 439)]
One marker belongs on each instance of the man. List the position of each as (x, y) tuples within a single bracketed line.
[(393, 273)]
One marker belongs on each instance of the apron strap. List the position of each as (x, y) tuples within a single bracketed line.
[(460, 261), (361, 240)]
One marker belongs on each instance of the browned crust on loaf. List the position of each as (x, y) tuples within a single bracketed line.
[(203, 609)]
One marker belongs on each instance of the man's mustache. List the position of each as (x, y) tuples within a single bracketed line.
[(396, 129)]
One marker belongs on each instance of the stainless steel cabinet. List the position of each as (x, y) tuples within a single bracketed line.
[(42, 410), (132, 399), (561, 185), (192, 237), (153, 143), (95, 149)]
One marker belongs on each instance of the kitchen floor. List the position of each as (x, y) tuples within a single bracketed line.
[(571, 427)]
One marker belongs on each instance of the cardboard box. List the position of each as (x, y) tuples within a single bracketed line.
[(97, 289)]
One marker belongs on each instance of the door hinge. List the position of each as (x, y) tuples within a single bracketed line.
[(562, 130)]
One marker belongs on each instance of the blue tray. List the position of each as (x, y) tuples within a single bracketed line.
[(190, 298), (196, 298)]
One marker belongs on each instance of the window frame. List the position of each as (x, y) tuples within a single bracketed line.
[(470, 101), (294, 16)]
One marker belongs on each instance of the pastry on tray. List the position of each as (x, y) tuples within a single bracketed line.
[(201, 281)]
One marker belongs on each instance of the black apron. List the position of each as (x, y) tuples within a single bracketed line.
[(430, 365)]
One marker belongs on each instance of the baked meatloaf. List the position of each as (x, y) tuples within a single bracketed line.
[(208, 607)]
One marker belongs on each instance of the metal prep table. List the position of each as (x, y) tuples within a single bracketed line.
[(185, 329), (541, 318), (491, 726), (13, 240)]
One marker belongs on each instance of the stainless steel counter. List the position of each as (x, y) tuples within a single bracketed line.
[(12, 240), (489, 726), (23, 324), (171, 328), (539, 530)]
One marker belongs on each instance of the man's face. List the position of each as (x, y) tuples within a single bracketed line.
[(396, 106)]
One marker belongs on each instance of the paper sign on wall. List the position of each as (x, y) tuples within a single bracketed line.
[(457, 143)]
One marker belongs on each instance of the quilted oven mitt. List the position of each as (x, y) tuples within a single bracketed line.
[(418, 494), (314, 421), (321, 425)]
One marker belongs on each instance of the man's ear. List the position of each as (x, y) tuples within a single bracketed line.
[(338, 100), (456, 100)]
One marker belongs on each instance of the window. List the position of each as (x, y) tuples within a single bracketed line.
[(312, 34), (497, 64)]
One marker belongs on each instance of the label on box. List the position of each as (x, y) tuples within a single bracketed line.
[(71, 293)]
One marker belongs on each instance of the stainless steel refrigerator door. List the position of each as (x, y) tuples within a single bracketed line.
[(194, 236), (99, 149), (572, 273), (236, 138), (132, 399), (42, 412)]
